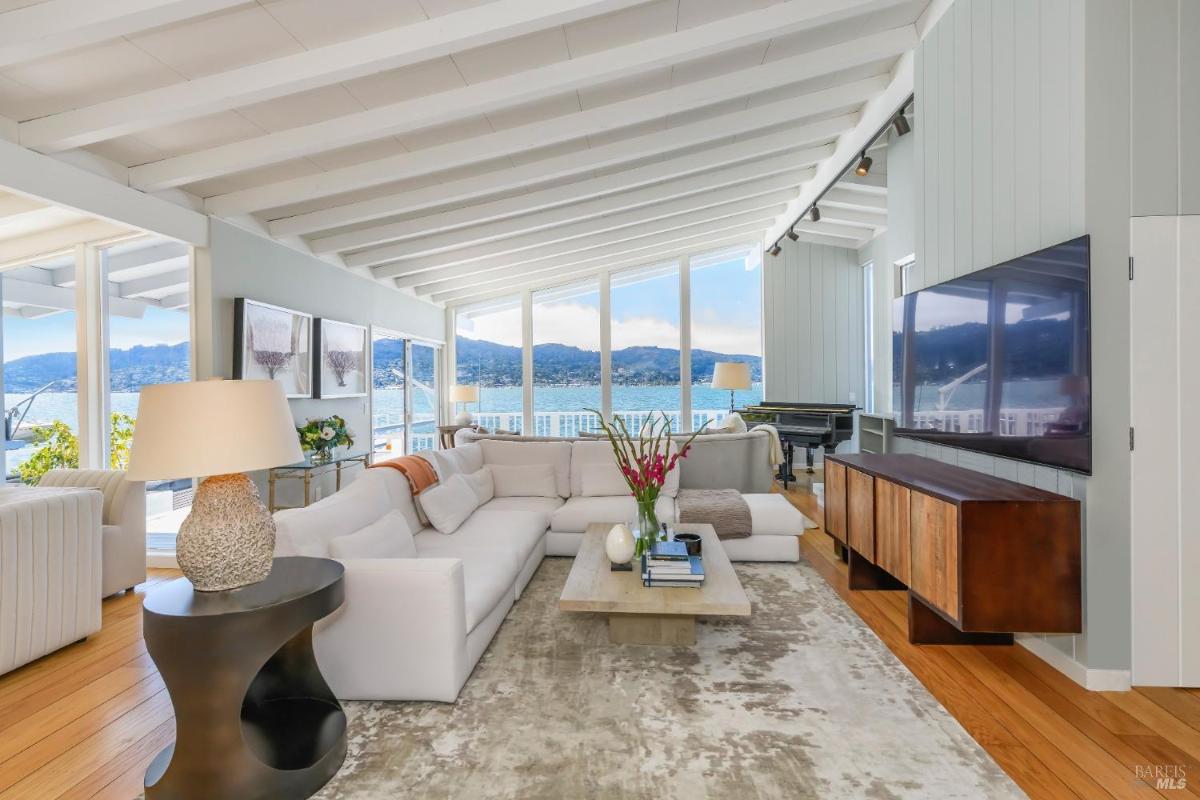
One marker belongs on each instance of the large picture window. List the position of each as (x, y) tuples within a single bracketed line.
[(488, 356), (645, 343), (566, 359), (726, 317)]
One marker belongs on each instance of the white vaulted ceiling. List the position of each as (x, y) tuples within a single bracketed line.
[(460, 146)]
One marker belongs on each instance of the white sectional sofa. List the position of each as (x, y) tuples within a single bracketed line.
[(413, 627)]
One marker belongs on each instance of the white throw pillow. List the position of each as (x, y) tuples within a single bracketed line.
[(387, 537), (524, 480), (448, 504), (482, 484), (732, 423), (602, 480)]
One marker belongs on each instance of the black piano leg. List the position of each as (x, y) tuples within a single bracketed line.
[(785, 466), (808, 458)]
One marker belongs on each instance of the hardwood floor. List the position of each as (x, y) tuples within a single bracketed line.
[(1052, 736), (85, 721)]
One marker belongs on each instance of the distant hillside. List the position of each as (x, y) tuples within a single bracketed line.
[(129, 369), (500, 365)]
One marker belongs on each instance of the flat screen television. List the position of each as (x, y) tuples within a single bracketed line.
[(999, 361)]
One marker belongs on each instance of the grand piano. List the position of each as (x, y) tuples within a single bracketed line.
[(810, 425)]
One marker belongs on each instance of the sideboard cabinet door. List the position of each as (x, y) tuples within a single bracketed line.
[(892, 517), (860, 513), (835, 500), (933, 535)]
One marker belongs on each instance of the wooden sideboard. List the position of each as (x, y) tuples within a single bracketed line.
[(982, 557)]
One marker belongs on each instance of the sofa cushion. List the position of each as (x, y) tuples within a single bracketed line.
[(773, 515), (601, 480), (579, 512), (515, 532), (544, 505), (524, 480), (308, 531), (584, 452), (482, 483), (398, 492), (556, 454), (448, 504), (387, 537), (461, 460)]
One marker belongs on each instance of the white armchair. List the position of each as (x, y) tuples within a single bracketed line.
[(124, 522)]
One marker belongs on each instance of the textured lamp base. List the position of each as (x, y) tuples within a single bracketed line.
[(228, 540)]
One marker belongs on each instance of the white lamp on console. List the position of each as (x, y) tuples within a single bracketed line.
[(462, 393), (220, 429), (731, 375)]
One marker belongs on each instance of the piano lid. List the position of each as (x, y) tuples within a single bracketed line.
[(771, 406)]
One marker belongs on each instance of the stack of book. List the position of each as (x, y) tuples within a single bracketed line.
[(668, 564)]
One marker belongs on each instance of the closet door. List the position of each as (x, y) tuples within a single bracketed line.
[(1165, 462)]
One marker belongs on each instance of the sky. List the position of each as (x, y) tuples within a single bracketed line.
[(726, 314), (56, 333)]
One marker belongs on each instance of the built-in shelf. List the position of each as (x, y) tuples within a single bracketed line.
[(874, 433)]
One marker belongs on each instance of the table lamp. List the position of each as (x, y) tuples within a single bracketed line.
[(731, 375), (460, 393), (220, 429)]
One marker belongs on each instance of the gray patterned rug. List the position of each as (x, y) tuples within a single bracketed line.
[(800, 700)]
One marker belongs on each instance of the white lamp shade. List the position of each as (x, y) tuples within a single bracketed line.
[(460, 393), (203, 428), (731, 375)]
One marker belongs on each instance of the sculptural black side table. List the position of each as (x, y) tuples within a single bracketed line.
[(254, 718)]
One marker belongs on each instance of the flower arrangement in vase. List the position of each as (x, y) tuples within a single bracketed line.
[(321, 436), (645, 460)]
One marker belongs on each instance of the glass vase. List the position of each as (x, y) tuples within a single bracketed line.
[(645, 527)]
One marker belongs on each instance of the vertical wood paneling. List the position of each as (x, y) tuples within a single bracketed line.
[(917, 176), (964, 131), (1189, 108), (1054, 115), (1077, 92), (1004, 241), (981, 133), (1189, 446), (946, 125), (1155, 106), (930, 256), (1027, 166)]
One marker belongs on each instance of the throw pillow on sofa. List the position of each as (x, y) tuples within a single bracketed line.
[(482, 483), (524, 480), (387, 537), (448, 504)]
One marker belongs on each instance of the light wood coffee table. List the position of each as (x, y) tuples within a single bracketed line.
[(652, 615)]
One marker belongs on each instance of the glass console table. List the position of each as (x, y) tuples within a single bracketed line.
[(310, 468)]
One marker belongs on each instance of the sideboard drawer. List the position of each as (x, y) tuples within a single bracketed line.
[(835, 501), (933, 537)]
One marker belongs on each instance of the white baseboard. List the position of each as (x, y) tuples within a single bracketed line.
[(162, 559), (1096, 680)]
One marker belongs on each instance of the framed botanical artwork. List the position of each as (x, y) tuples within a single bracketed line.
[(341, 364), (273, 343)]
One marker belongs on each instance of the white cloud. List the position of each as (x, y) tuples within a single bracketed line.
[(578, 325)]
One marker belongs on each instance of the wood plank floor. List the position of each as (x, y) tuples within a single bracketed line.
[(1052, 736), (86, 721)]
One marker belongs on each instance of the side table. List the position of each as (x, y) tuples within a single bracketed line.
[(254, 718)]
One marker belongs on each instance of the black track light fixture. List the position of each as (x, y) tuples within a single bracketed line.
[(791, 234), (776, 250), (815, 214), (864, 165), (900, 123)]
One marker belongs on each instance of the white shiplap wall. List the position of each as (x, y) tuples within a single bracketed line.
[(813, 323), (999, 164)]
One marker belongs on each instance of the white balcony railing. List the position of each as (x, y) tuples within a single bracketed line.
[(1013, 421)]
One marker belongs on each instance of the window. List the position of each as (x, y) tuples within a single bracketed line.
[(869, 337), (389, 418), (423, 396), (40, 398), (566, 359), (645, 343), (148, 343), (488, 354), (726, 325)]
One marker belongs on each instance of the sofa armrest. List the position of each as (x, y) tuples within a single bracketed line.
[(400, 634)]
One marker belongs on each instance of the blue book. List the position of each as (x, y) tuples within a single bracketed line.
[(672, 550), (675, 577)]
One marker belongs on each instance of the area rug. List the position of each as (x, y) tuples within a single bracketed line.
[(800, 700)]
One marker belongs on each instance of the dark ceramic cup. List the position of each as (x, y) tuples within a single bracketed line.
[(691, 541)]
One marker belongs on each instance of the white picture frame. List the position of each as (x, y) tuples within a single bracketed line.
[(273, 343), (342, 359)]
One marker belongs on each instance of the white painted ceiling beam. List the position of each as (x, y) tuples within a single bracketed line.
[(850, 216), (154, 254), (641, 109), (309, 69), (175, 301), (541, 83), (854, 200), (55, 26), (150, 284), (423, 270), (831, 241), (615, 227), (57, 240), (465, 190), (573, 164), (594, 256), (875, 181), (856, 237), (12, 205), (61, 297), (481, 292), (767, 176)]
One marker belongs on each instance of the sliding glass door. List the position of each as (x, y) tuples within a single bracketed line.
[(423, 396), (404, 393)]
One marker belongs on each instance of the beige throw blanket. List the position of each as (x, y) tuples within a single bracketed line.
[(724, 509)]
